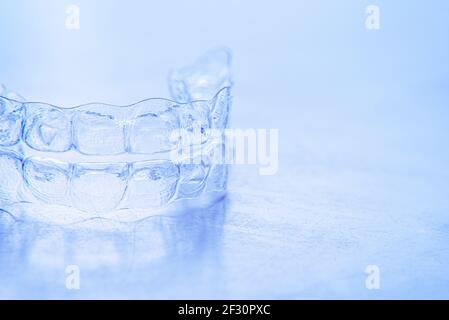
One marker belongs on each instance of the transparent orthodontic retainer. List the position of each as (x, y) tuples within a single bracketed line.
[(124, 163)]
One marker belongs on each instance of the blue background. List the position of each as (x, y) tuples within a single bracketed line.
[(364, 149)]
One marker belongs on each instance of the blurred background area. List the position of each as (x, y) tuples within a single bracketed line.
[(364, 146)]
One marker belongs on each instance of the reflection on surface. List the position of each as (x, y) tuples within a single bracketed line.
[(149, 256)]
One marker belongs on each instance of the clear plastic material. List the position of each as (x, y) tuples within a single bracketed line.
[(65, 165)]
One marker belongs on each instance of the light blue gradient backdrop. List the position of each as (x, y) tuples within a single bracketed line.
[(364, 148)]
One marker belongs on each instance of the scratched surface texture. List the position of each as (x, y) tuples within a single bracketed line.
[(363, 153)]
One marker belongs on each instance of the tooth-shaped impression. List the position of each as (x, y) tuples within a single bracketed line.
[(204, 78), (47, 179), (11, 113), (99, 130), (152, 183), (218, 173), (220, 107), (47, 128), (194, 118), (193, 178), (10, 177), (98, 187), (151, 125)]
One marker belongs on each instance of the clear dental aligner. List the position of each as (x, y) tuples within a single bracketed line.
[(99, 160)]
